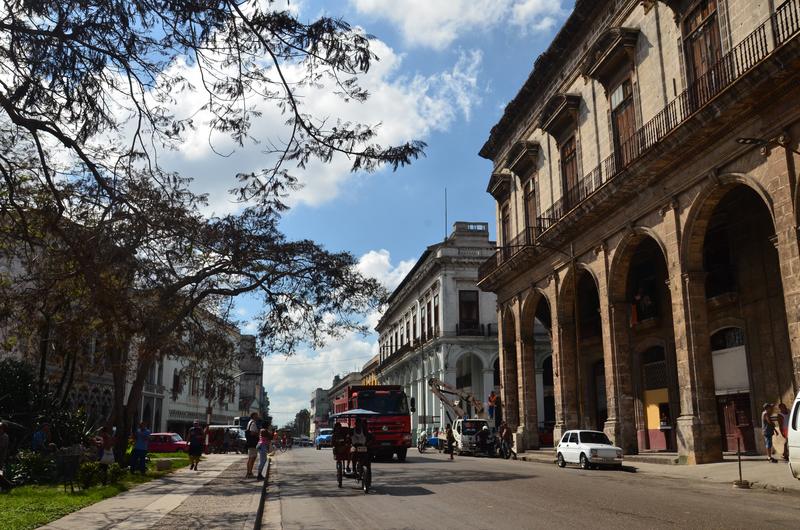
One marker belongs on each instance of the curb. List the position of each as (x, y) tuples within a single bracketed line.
[(263, 499)]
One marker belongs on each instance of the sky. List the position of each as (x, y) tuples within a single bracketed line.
[(447, 69)]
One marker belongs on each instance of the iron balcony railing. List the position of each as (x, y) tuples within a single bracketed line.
[(784, 24)]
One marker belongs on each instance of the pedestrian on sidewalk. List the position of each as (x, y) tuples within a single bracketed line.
[(195, 444), (139, 454), (768, 430), (263, 449), (105, 451), (783, 418), (451, 440), (251, 434)]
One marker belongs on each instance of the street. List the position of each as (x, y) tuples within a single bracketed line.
[(429, 491)]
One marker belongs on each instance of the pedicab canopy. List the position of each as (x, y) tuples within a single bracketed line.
[(354, 412)]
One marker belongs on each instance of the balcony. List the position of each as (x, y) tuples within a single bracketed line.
[(708, 106)]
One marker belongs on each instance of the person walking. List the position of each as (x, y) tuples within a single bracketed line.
[(768, 429), (451, 440), (140, 444), (251, 434), (195, 437), (783, 417), (106, 450), (263, 449)]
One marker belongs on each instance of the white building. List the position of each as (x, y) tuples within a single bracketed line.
[(319, 411), (438, 324)]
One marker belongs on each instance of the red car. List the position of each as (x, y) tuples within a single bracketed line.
[(167, 442)]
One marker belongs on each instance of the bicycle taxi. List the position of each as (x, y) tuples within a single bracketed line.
[(351, 444)]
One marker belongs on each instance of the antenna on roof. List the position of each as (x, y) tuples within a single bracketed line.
[(445, 213)]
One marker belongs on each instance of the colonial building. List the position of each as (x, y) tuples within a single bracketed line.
[(438, 324), (320, 410), (369, 373), (647, 209)]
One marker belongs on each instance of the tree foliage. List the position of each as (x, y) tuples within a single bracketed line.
[(99, 240)]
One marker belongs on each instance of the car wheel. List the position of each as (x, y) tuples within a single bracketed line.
[(560, 460), (401, 455), (585, 464)]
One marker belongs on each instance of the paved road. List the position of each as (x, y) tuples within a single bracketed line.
[(428, 491)]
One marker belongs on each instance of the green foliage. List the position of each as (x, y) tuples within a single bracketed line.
[(89, 475), (16, 389), (28, 467), (116, 473), (69, 426)]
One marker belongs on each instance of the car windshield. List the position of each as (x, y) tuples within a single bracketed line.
[(471, 427), (594, 438), (383, 402), (325, 432), (176, 438)]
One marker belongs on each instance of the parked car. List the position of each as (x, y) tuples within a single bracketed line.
[(305, 441), (323, 439), (167, 442), (794, 438), (589, 449)]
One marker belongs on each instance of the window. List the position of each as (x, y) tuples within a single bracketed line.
[(408, 331), (795, 413), (530, 204), (430, 319), (591, 437), (573, 437), (414, 325), (703, 48), (468, 315), (423, 322), (569, 170), (436, 312), (505, 225), (623, 122)]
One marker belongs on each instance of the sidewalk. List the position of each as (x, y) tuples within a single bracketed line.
[(216, 496), (757, 470)]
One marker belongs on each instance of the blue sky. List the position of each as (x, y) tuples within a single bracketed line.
[(447, 69)]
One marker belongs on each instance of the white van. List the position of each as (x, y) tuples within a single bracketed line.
[(465, 432), (794, 438)]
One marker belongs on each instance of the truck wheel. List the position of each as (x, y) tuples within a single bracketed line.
[(401, 455)]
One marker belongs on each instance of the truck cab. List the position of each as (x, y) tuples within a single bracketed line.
[(465, 432)]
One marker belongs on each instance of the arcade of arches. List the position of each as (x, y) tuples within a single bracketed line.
[(668, 339)]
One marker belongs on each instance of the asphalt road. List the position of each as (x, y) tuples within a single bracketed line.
[(428, 491)]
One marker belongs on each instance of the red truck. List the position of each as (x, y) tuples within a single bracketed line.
[(391, 427)]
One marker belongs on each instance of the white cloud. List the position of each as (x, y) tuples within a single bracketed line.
[(404, 107), (290, 382), (377, 264), (437, 24)]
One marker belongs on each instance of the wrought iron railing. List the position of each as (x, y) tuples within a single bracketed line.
[(785, 24)]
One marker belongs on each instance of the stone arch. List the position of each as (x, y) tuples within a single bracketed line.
[(509, 400), (566, 297), (623, 255), (702, 209)]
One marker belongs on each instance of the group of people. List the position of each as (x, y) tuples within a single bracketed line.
[(770, 430)]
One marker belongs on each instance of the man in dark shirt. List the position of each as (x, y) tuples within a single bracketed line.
[(195, 444)]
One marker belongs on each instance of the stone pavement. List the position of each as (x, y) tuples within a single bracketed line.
[(756, 470), (217, 496)]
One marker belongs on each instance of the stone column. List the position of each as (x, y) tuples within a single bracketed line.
[(508, 377), (786, 241), (528, 430), (622, 427), (563, 378)]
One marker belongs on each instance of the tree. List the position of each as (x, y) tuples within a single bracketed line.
[(99, 80), (86, 105), (302, 423)]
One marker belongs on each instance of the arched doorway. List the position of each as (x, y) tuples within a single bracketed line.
[(745, 316), (543, 353), (547, 417), (648, 333), (732, 388), (509, 400), (469, 375), (582, 375)]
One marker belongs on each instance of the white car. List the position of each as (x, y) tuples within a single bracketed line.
[(589, 449), (794, 438)]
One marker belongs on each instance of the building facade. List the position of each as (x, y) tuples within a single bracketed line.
[(439, 324), (369, 373), (647, 211), (320, 410)]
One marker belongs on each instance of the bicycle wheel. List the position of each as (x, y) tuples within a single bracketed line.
[(339, 472), (366, 481)]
